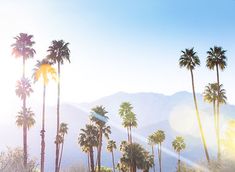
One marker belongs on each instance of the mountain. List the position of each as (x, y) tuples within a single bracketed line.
[(174, 114)]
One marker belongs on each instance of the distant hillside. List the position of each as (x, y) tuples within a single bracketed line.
[(153, 112)]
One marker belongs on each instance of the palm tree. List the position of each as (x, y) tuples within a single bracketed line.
[(133, 156), (128, 117), (88, 137), (216, 59), (23, 48), (23, 90), (58, 53), (63, 131), (152, 143), (190, 60), (42, 69), (159, 137), (178, 144), (87, 150), (211, 96), (98, 116), (110, 147), (29, 120), (122, 167), (148, 161)]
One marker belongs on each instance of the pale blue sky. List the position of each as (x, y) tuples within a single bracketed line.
[(121, 45)]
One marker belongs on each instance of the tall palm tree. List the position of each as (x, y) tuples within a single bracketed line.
[(87, 150), (216, 59), (98, 116), (23, 48), (211, 96), (152, 143), (159, 137), (133, 156), (190, 60), (43, 69), (23, 90), (58, 53), (178, 145), (128, 117), (29, 120), (110, 147), (148, 161), (88, 137), (63, 131)]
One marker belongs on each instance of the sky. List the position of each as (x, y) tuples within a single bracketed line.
[(130, 46)]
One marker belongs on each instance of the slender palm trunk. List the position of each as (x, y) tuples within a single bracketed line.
[(24, 124), (128, 134), (131, 135), (215, 117), (199, 120), (58, 122), (99, 149), (61, 153), (113, 161), (88, 162), (43, 130), (160, 157), (179, 162), (153, 158), (218, 113), (92, 159)]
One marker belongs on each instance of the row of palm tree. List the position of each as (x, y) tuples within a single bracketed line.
[(213, 93), (58, 52), (134, 156)]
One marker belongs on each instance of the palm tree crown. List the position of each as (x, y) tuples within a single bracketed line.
[(42, 69), (29, 118), (23, 88), (58, 52), (111, 145), (179, 144), (216, 57), (23, 46), (211, 93), (189, 59)]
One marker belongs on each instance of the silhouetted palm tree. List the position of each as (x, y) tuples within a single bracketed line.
[(88, 137), (62, 132), (159, 137), (29, 120), (148, 161), (178, 144), (58, 53), (216, 59), (23, 48), (110, 147), (43, 69), (98, 116), (211, 96), (190, 60), (129, 119), (152, 143)]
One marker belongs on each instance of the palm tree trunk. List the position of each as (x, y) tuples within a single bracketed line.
[(61, 153), (24, 123), (113, 161), (43, 130), (160, 157), (179, 162), (92, 159), (130, 135), (88, 162), (199, 120), (218, 112), (58, 122), (215, 117), (153, 159), (25, 134), (99, 149)]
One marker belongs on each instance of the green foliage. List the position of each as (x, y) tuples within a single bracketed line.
[(216, 57), (178, 144), (189, 59)]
